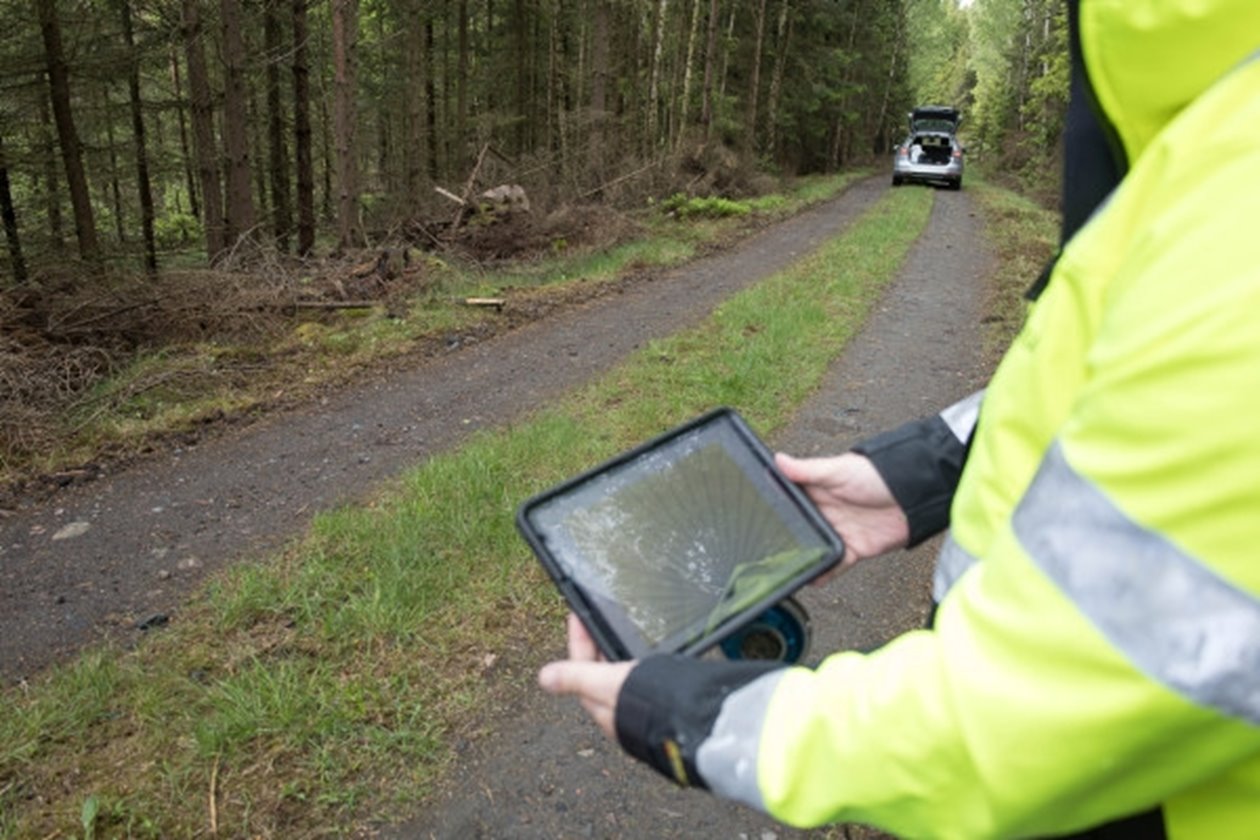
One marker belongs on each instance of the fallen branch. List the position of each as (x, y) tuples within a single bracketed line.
[(335, 304), (497, 303)]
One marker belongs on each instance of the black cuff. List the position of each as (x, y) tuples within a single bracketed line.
[(667, 707), (920, 462)]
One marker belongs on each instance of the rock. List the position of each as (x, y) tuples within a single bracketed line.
[(69, 532)]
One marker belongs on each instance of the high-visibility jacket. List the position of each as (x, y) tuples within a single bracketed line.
[(1096, 653)]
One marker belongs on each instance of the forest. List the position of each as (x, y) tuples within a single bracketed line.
[(169, 167)]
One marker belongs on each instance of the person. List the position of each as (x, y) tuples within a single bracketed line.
[(1094, 662)]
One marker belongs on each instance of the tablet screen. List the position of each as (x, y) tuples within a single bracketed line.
[(672, 545)]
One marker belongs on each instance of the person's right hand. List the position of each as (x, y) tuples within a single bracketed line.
[(850, 493)]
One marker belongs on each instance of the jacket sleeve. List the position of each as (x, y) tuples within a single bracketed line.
[(921, 462)]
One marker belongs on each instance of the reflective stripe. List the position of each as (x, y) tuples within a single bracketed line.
[(727, 760), (950, 565), (1174, 618), (961, 416)]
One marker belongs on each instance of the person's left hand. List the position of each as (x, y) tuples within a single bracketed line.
[(587, 676)]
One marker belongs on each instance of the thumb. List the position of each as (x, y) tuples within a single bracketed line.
[(568, 677), (802, 470)]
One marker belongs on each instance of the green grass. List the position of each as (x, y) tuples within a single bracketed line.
[(323, 687), (1023, 236)]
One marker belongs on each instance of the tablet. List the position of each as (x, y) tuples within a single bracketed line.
[(678, 543)]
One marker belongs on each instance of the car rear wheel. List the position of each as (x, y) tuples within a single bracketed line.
[(896, 180)]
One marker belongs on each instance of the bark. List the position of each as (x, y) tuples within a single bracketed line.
[(654, 75), (184, 150), (599, 85), (111, 150), (204, 146), (784, 33), (345, 17), (8, 213), (413, 113), (521, 28), (430, 97), (240, 203), (754, 84), (48, 158), (278, 149), (881, 141), (684, 102), (67, 135), (710, 62), (461, 90), (305, 170), (143, 183)]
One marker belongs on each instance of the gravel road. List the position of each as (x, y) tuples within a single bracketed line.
[(100, 560)]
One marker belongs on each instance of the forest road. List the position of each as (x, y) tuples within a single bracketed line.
[(544, 771), (103, 559)]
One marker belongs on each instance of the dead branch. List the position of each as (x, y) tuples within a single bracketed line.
[(620, 179)]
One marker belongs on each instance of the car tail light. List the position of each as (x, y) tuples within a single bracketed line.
[(902, 151), (957, 153)]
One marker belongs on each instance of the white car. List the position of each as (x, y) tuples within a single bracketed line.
[(931, 154)]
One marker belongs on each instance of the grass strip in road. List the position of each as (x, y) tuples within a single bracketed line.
[(318, 690)]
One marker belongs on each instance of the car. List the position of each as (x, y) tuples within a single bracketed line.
[(931, 153)]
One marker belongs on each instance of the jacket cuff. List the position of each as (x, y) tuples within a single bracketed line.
[(921, 462), (667, 707)]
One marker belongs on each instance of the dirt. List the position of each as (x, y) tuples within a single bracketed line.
[(114, 558)]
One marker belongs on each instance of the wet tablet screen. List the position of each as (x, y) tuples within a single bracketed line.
[(670, 545)]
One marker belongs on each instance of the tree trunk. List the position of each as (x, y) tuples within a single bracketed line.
[(684, 101), (143, 184), (204, 146), (430, 96), (727, 43), (68, 137), (754, 83), (48, 159), (776, 81), (345, 19), (881, 141), (240, 202), (654, 75), (710, 62), (600, 56), (278, 149), (413, 109), (302, 133), (111, 149), (461, 92), (9, 215), (184, 149), (520, 27)]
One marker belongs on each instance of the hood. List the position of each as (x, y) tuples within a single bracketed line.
[(1148, 59)]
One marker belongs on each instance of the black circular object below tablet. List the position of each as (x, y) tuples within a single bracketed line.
[(780, 634)]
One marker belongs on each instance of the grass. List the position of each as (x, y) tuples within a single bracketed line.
[(1023, 236), (324, 686)]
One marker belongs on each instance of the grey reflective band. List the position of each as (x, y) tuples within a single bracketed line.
[(961, 416), (1175, 619), (727, 760), (950, 565)]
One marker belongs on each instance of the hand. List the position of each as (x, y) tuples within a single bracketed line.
[(586, 675), (850, 493)]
